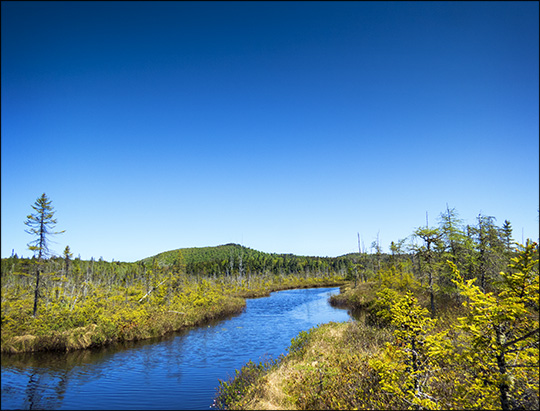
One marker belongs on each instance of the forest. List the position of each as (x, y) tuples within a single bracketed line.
[(447, 320)]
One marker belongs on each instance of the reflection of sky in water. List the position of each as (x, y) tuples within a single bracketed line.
[(313, 312), (177, 372)]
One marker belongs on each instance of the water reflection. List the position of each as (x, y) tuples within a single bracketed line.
[(358, 315), (180, 371)]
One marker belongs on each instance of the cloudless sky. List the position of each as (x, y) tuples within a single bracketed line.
[(288, 127)]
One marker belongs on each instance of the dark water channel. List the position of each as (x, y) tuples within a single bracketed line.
[(180, 371)]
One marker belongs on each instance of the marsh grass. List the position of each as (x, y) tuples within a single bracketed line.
[(115, 314)]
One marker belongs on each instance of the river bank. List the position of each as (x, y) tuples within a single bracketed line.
[(103, 319), (327, 367)]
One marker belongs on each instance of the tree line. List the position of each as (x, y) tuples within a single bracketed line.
[(479, 251)]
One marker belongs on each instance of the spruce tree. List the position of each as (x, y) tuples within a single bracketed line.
[(41, 225)]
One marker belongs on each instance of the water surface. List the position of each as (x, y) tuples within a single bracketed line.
[(180, 371)]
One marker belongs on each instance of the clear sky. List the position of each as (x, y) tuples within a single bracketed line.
[(288, 127)]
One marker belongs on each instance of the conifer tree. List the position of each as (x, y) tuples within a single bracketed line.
[(506, 233), (432, 238), (499, 348), (490, 248), (68, 255), (406, 365), (41, 224)]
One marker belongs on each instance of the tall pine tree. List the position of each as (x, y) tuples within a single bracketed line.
[(41, 224)]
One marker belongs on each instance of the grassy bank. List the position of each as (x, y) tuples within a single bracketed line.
[(327, 367), (107, 314)]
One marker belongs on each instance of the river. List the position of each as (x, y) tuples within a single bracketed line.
[(179, 371)]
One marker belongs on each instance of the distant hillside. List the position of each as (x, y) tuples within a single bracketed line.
[(235, 258), (195, 255)]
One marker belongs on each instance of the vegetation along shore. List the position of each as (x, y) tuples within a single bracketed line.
[(451, 325), (448, 320), (86, 304)]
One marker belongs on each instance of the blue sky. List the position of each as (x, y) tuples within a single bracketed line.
[(286, 126)]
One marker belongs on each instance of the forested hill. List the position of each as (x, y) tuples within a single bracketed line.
[(202, 254), (235, 258)]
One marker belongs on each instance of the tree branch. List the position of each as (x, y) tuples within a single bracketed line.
[(520, 338)]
